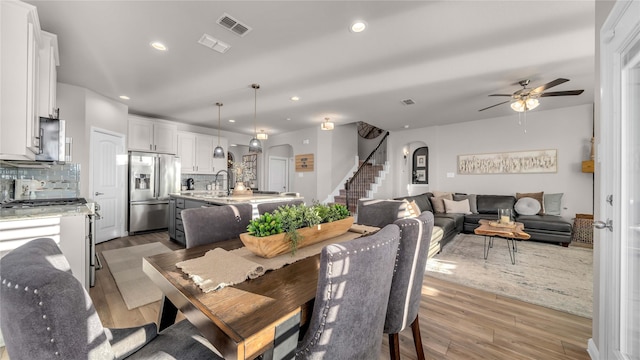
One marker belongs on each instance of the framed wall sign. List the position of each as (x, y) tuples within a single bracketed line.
[(304, 162), (518, 162)]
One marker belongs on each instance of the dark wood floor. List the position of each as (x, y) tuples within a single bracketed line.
[(456, 322)]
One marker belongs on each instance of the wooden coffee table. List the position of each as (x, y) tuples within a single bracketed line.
[(490, 229)]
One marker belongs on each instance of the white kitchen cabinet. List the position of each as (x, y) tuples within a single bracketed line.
[(69, 232), (48, 73), (196, 152), (187, 152), (20, 39), (147, 134)]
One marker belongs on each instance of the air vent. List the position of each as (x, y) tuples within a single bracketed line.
[(233, 25), (213, 43), (408, 102)]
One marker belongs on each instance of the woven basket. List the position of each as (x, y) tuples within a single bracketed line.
[(583, 229)]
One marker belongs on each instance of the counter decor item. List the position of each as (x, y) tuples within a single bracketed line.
[(242, 175), (504, 216), (289, 228)]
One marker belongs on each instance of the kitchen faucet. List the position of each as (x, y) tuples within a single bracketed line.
[(215, 180)]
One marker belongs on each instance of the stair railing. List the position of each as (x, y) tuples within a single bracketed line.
[(358, 185)]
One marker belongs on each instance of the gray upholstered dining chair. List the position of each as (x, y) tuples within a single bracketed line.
[(270, 206), (216, 223), (46, 313), (354, 281), (406, 286)]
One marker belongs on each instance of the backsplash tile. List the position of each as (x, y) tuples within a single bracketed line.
[(57, 181)]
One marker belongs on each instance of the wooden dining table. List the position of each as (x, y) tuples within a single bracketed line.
[(242, 321)]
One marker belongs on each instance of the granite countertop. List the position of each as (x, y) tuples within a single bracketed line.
[(43, 212), (219, 197)]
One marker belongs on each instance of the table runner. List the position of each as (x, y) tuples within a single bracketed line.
[(219, 268)]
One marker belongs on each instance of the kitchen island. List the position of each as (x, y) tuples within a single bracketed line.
[(195, 199)]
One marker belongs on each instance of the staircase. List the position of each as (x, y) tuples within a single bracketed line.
[(367, 178), (360, 184)]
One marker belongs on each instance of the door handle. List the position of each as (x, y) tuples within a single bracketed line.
[(99, 193), (604, 225)]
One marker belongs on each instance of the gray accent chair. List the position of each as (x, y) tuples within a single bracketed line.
[(380, 213), (354, 281), (270, 206), (207, 225), (406, 286), (47, 314)]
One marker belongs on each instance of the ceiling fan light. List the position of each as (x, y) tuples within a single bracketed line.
[(255, 146), (518, 105), (532, 103), (218, 152)]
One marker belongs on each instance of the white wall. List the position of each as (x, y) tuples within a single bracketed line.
[(304, 183), (568, 130), (343, 151), (84, 109)]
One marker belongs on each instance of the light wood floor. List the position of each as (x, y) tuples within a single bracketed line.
[(456, 322)]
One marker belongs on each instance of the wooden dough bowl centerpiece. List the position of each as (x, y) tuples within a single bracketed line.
[(291, 227)]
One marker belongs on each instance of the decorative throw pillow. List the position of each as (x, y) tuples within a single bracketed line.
[(412, 209), (473, 205), (443, 194), (527, 206), (457, 207), (437, 204), (538, 196), (552, 204)]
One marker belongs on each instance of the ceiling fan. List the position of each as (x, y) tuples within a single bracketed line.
[(527, 99)]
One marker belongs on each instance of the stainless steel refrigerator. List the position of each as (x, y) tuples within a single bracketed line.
[(152, 177)]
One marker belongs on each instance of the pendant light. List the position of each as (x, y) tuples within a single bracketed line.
[(218, 152), (326, 125), (255, 146)]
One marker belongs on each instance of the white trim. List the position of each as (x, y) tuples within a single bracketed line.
[(592, 349)]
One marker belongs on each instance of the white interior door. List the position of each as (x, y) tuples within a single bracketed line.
[(109, 182), (278, 174), (619, 161)]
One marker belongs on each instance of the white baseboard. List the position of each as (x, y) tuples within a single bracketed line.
[(592, 349)]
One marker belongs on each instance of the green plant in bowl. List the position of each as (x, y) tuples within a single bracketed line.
[(265, 225), (290, 218)]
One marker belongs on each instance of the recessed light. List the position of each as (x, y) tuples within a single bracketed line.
[(288, 119), (406, 126), (231, 121), (358, 26), (125, 97), (295, 98), (159, 46)]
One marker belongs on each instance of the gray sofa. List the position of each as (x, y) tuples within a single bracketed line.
[(546, 228)]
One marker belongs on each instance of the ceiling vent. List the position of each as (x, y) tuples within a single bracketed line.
[(233, 25), (408, 102), (213, 43)]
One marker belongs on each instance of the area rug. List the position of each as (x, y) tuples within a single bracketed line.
[(125, 265), (544, 274)]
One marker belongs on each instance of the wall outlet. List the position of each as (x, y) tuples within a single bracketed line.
[(450, 174)]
